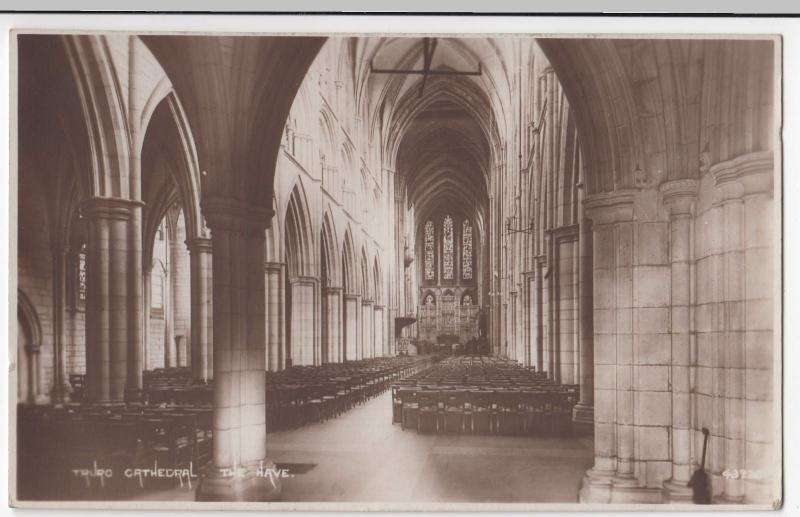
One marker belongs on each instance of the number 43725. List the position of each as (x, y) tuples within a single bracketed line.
[(741, 474)]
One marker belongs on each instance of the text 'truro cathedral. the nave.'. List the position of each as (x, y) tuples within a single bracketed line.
[(396, 269)]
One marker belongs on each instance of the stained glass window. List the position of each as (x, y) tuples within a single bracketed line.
[(466, 250), (82, 275), (467, 300), (447, 248), (429, 251)]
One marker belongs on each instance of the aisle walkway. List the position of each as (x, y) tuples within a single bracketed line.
[(362, 457)]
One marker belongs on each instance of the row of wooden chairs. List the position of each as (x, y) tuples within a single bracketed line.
[(55, 441), (302, 395), (485, 411), (483, 395)]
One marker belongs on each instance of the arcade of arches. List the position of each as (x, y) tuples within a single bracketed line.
[(594, 209)]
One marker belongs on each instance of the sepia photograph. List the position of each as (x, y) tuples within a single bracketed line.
[(408, 271)]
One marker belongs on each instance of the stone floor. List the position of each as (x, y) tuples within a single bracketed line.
[(362, 457)]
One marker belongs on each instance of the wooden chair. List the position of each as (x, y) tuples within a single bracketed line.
[(428, 421), (453, 411), (409, 412)]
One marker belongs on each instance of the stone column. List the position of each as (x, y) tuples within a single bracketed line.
[(202, 323), (526, 308), (239, 453), (274, 303), (761, 260), (135, 302), (678, 197), (612, 216), (380, 339), (180, 282), (35, 395), (583, 414), (748, 262), (733, 341), (109, 301), (302, 338), (61, 387), (542, 358), (282, 345), (351, 309), (147, 303), (170, 353), (367, 345), (333, 323), (564, 309), (512, 336)]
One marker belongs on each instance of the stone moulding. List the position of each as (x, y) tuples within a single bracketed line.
[(610, 207), (110, 207), (752, 172), (236, 215), (679, 194)]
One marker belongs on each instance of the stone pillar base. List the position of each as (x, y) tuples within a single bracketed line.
[(583, 419), (253, 483), (676, 493), (599, 487), (61, 395), (727, 499), (40, 400)]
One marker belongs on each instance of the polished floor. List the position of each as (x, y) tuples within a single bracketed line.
[(362, 457)]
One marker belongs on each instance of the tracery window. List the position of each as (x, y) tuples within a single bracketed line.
[(447, 248), (466, 250), (429, 251), (466, 300), (82, 275), (429, 299)]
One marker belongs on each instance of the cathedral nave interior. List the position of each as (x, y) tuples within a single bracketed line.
[(239, 255)]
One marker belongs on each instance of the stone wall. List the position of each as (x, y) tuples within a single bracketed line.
[(683, 336)]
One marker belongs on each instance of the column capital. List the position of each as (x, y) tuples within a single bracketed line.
[(303, 280), (351, 296), (33, 349), (199, 244), (272, 266), (231, 214), (367, 301), (109, 208), (561, 233), (679, 195), (749, 173), (333, 290), (610, 207)]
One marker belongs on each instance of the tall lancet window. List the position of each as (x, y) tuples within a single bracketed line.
[(430, 244), (82, 275), (447, 248), (466, 250)]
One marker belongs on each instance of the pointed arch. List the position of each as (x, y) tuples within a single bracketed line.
[(328, 142), (366, 285), (301, 112), (170, 172), (29, 338), (104, 115), (377, 281), (329, 250), (26, 312), (349, 276), (274, 240), (298, 234)]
